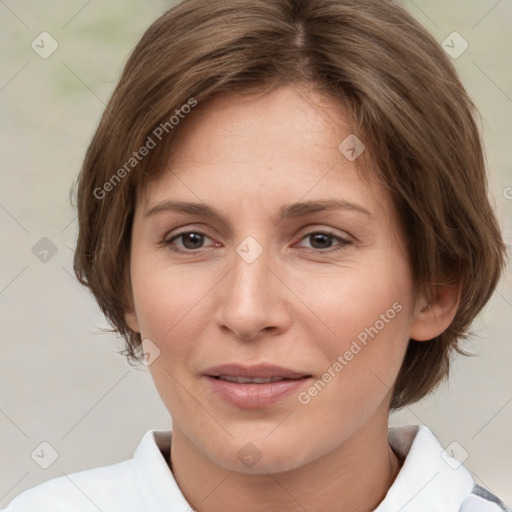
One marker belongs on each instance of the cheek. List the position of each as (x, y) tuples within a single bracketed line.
[(171, 305), (367, 296), (169, 300), (368, 312)]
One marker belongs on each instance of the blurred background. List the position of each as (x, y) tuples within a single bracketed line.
[(62, 381)]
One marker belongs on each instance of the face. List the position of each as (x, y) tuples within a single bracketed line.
[(260, 253)]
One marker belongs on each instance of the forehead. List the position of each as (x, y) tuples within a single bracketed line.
[(290, 122), (270, 149)]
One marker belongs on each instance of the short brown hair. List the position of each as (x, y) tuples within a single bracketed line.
[(407, 105)]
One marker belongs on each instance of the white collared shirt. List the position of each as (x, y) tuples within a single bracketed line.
[(429, 481)]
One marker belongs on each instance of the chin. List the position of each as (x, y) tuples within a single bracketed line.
[(259, 454)]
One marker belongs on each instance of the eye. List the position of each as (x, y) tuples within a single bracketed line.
[(323, 241), (190, 241)]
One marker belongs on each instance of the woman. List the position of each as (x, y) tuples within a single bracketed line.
[(284, 212)]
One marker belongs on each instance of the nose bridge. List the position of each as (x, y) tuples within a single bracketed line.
[(250, 299), (250, 279)]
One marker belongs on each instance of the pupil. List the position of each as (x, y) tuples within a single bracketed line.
[(320, 237), (195, 244)]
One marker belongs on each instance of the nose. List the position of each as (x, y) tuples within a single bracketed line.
[(253, 300)]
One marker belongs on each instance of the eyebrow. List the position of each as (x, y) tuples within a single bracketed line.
[(287, 211)]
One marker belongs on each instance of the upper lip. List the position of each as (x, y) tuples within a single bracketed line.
[(255, 371)]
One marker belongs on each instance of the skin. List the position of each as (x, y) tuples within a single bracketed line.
[(300, 304)]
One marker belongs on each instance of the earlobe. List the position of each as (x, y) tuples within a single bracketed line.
[(435, 310), (131, 319)]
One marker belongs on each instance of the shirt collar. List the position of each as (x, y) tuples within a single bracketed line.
[(157, 484), (429, 479)]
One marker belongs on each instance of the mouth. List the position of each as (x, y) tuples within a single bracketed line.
[(254, 387), (255, 372), (254, 380)]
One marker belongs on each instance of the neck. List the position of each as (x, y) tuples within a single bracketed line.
[(354, 477)]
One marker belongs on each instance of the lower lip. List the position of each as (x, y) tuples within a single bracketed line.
[(255, 396)]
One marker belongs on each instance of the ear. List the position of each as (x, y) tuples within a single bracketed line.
[(131, 319), (435, 310), (130, 316)]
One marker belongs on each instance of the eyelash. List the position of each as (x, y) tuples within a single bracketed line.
[(343, 242)]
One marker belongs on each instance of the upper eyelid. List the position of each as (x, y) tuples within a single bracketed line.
[(307, 230)]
